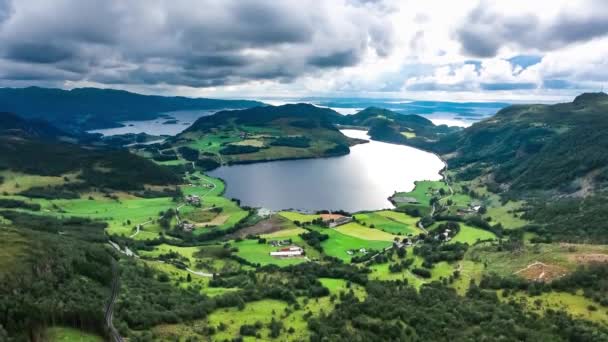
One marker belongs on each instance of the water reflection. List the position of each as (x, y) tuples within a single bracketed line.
[(362, 180)]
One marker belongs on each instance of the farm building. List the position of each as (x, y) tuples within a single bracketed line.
[(336, 220), (186, 226), (288, 252), (279, 243), (193, 199)]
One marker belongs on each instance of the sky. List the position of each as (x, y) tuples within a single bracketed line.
[(458, 50)]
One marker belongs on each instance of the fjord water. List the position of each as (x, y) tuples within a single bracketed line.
[(361, 180), (159, 126)]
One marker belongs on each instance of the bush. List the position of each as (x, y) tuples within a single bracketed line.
[(424, 273), (188, 153), (301, 142), (239, 149)]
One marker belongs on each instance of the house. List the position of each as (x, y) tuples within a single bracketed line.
[(469, 210), (291, 251), (193, 199), (186, 226), (338, 221), (279, 243)]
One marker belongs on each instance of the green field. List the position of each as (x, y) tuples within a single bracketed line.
[(338, 244), (127, 211), (563, 256), (256, 252), (15, 182), (459, 200), (115, 212), (261, 311), (62, 334), (424, 191), (440, 270), (469, 271), (575, 304), (232, 133), (358, 231), (211, 190), (335, 286), (13, 250), (284, 233), (390, 221), (471, 235), (409, 135), (504, 215), (295, 216)]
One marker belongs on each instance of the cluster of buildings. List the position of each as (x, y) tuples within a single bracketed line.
[(361, 250), (186, 226), (473, 209), (279, 243), (444, 236), (193, 199)]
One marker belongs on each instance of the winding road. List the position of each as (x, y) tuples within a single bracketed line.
[(445, 180), (109, 314)]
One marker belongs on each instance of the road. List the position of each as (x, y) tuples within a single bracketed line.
[(138, 228), (445, 180), (202, 274), (213, 186), (109, 315)]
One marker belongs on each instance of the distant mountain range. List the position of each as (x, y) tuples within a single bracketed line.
[(92, 108), (460, 109)]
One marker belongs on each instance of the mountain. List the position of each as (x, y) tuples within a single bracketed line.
[(560, 147), (13, 124), (91, 108), (386, 125), (36, 148), (266, 133), (268, 115)]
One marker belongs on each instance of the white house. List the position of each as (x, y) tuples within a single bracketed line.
[(288, 252)]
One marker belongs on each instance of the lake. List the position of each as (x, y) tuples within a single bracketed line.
[(361, 180), (184, 118)]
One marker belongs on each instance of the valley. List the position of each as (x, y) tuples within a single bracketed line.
[(197, 264)]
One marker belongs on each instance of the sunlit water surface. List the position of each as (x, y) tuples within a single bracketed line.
[(361, 180)]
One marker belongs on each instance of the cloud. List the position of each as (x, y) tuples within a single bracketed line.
[(486, 29), (187, 42), (236, 48), (525, 61), (5, 10)]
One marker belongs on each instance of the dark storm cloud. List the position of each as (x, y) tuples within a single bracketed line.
[(485, 30), (39, 52), (337, 59), (185, 42)]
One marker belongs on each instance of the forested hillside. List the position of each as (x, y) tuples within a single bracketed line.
[(389, 126), (90, 108), (36, 148), (555, 157), (560, 147), (266, 133)]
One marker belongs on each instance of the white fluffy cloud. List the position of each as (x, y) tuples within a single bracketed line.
[(462, 49)]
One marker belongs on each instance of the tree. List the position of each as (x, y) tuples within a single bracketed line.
[(401, 252)]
